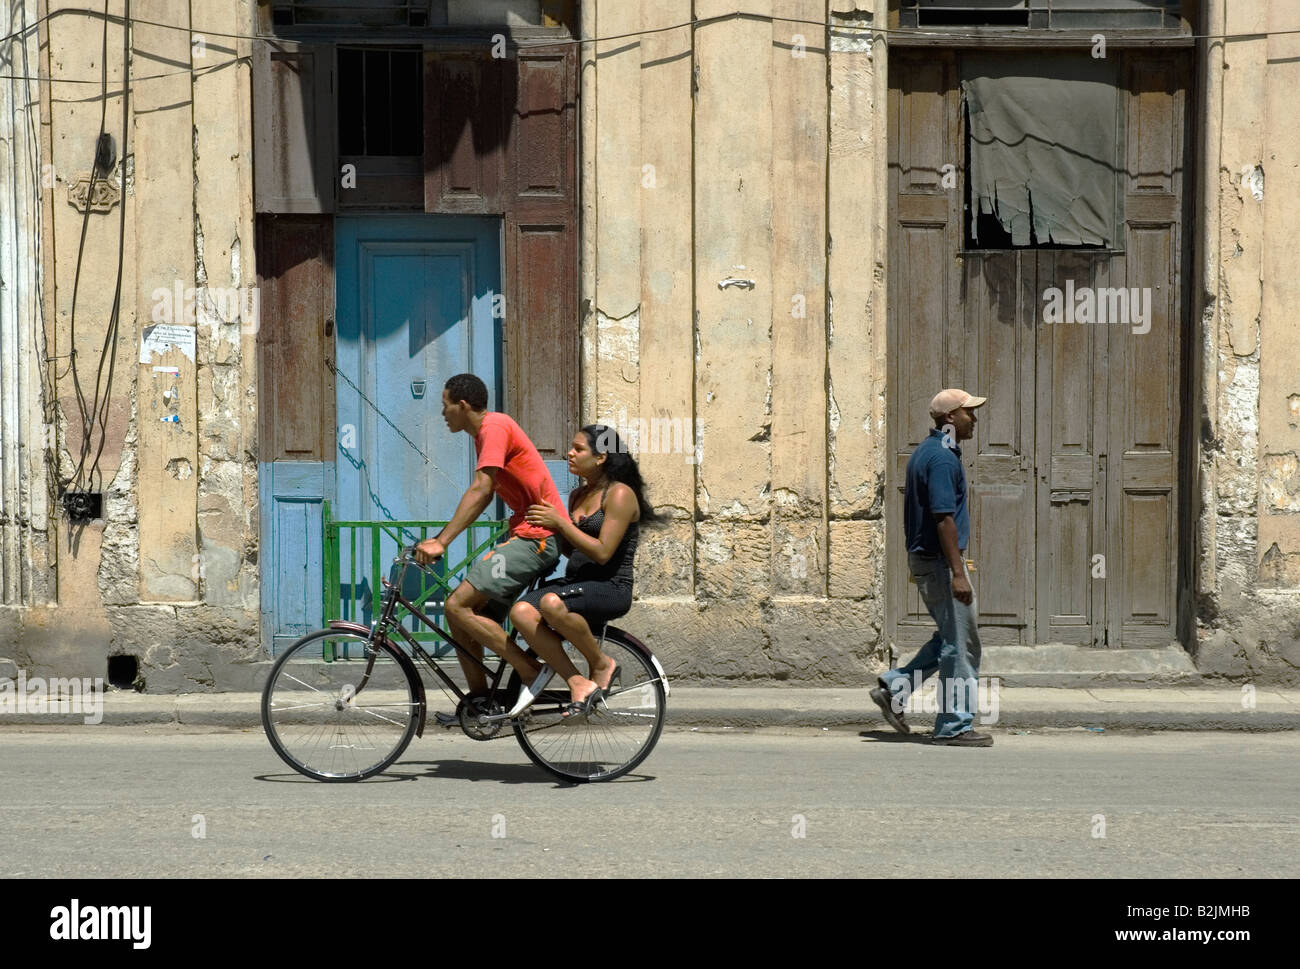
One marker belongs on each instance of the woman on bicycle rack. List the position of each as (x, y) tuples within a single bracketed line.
[(600, 537)]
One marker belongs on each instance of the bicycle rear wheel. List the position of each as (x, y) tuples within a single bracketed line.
[(618, 734), (336, 708)]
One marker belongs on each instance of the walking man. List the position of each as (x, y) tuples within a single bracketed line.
[(936, 527)]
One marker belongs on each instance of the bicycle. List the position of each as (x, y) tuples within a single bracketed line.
[(342, 703)]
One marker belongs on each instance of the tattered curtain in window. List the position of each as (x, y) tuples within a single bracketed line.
[(1042, 134)]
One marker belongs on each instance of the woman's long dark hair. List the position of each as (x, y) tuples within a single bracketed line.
[(620, 465)]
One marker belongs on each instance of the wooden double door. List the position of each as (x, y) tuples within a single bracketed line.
[(1073, 472)]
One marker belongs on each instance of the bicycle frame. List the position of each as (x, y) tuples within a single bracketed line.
[(392, 598)]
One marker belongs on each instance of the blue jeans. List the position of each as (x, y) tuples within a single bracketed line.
[(953, 651)]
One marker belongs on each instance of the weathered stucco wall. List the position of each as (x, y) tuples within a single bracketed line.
[(733, 243), (710, 203), (780, 180), (1249, 526), (25, 575), (169, 574)]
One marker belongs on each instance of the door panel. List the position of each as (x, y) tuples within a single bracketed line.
[(295, 418), (293, 126), (542, 249), (1072, 367), (998, 301), (292, 493), (1145, 401)]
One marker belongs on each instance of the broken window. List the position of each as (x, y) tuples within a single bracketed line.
[(1044, 14), (1041, 141)]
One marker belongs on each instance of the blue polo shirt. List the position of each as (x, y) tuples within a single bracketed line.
[(936, 485)]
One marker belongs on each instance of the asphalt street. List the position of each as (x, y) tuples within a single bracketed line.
[(176, 801)]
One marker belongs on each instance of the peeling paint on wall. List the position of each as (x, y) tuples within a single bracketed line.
[(179, 468), (619, 342), (851, 31), (1239, 428), (118, 576), (1279, 482), (1278, 569), (1252, 180)]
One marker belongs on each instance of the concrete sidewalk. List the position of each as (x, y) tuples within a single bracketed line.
[(1111, 708)]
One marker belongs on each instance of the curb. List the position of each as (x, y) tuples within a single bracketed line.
[(750, 708)]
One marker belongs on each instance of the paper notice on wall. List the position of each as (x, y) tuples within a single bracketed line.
[(162, 337)]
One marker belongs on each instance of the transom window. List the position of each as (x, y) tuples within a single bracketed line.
[(1044, 14)]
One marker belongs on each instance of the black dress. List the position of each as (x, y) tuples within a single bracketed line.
[(598, 593)]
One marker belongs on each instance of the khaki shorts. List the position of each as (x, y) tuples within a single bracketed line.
[(510, 567)]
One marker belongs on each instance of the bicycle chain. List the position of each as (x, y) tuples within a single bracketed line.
[(510, 733), (505, 733)]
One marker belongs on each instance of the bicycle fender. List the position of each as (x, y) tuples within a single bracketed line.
[(342, 625), (408, 667), (610, 628)]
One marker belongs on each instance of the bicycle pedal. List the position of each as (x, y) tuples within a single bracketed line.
[(447, 720)]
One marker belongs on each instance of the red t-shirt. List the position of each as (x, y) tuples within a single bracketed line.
[(521, 478)]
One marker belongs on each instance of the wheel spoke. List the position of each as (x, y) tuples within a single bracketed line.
[(300, 706), (296, 680), (378, 716)]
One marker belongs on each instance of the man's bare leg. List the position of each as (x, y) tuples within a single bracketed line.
[(475, 678), (469, 626)]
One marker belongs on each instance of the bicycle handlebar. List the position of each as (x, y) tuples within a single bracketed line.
[(407, 557)]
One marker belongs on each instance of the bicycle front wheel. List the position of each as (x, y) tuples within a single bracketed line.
[(337, 708), (618, 734)]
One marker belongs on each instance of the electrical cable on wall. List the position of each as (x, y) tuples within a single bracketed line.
[(74, 489), (115, 317)]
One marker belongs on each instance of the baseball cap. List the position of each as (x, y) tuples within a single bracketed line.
[(946, 401)]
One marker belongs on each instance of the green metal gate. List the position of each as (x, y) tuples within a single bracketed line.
[(357, 553)]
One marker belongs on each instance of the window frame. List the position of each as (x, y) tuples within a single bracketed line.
[(903, 22)]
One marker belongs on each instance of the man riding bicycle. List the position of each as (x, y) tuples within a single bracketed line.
[(509, 466)]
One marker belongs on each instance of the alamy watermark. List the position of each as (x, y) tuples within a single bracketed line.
[(1106, 305), (38, 695), (207, 304), (974, 694), (655, 435), (127, 923)]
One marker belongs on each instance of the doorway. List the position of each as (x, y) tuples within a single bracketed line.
[(418, 301), (1074, 466)]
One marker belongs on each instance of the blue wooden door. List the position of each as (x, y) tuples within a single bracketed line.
[(416, 302)]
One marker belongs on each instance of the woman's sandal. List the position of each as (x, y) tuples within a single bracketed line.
[(583, 707)]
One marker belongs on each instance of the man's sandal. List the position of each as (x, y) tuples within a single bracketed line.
[(530, 693)]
